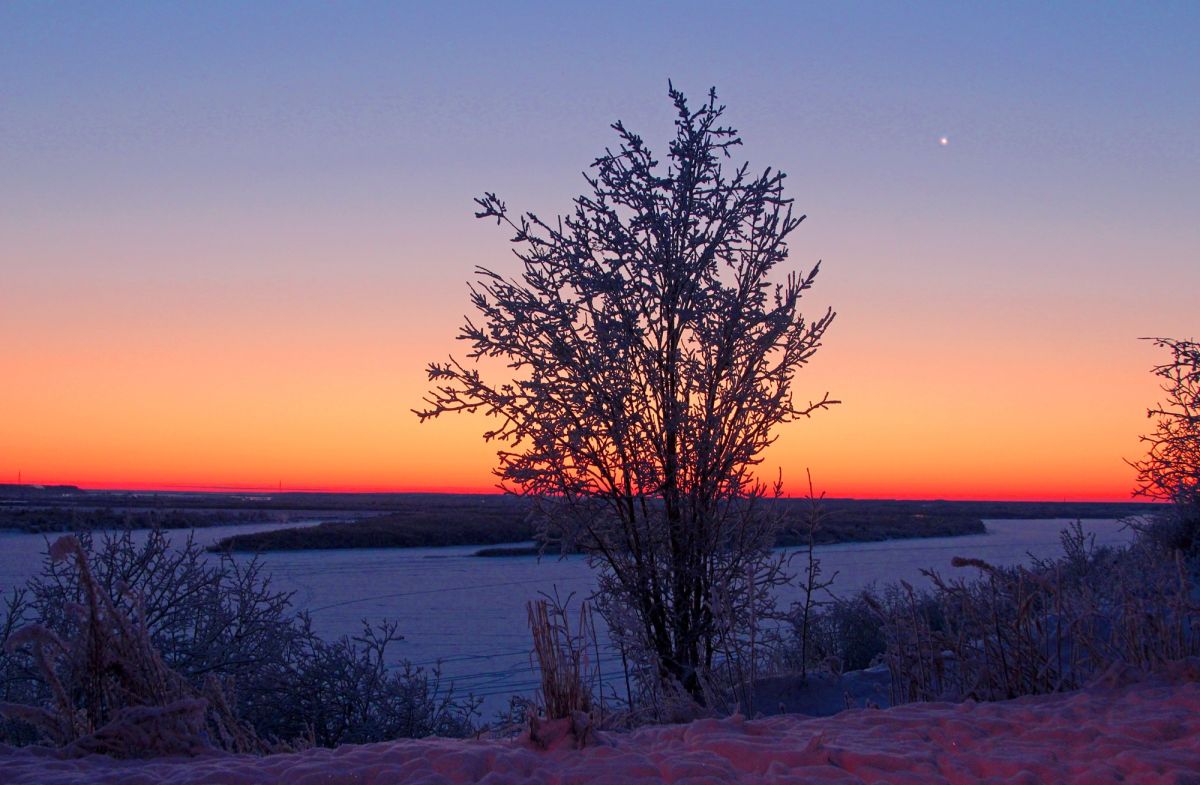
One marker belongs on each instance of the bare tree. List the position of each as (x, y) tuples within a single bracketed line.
[(651, 359), (1171, 469)]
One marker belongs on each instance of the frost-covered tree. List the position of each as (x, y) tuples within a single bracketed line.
[(651, 358), (1171, 469)]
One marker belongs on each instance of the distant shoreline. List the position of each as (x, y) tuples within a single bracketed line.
[(499, 524)]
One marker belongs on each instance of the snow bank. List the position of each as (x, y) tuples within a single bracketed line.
[(1142, 732)]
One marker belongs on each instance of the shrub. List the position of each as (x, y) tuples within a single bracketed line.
[(1049, 627), (847, 630), (108, 689), (221, 633)]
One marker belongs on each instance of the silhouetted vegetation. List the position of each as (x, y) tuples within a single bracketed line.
[(847, 525), (1170, 471), (496, 520), (450, 520), (1001, 510), (433, 519), (847, 631), (650, 353), (77, 519), (296, 501), (1048, 627), (143, 648)]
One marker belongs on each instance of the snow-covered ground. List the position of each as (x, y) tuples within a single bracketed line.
[(1123, 729)]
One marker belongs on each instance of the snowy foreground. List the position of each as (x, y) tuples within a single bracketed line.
[(1123, 729)]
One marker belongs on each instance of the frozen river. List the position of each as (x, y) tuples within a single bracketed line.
[(469, 612)]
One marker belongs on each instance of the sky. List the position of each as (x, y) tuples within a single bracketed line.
[(233, 235)]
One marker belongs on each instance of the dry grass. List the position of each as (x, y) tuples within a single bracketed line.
[(111, 691), (567, 673), (1051, 627)]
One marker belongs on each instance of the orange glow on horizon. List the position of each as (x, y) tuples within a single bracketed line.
[(231, 241), (219, 412), (846, 492)]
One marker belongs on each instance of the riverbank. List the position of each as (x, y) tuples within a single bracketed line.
[(45, 520), (502, 522), (501, 528)]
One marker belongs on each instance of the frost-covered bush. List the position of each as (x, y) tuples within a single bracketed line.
[(344, 691), (1052, 626), (847, 631), (843, 629), (223, 632), (106, 689), (221, 617)]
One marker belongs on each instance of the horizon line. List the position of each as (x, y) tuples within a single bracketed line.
[(493, 490)]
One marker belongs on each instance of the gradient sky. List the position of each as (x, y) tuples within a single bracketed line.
[(232, 235)]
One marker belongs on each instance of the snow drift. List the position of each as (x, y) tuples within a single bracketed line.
[(1124, 728)]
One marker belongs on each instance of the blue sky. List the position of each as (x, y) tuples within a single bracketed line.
[(184, 172)]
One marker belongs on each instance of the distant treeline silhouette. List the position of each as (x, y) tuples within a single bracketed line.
[(500, 520)]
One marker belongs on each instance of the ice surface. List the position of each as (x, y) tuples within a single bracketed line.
[(1144, 730)]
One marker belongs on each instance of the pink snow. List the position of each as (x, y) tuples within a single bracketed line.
[(1142, 732)]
